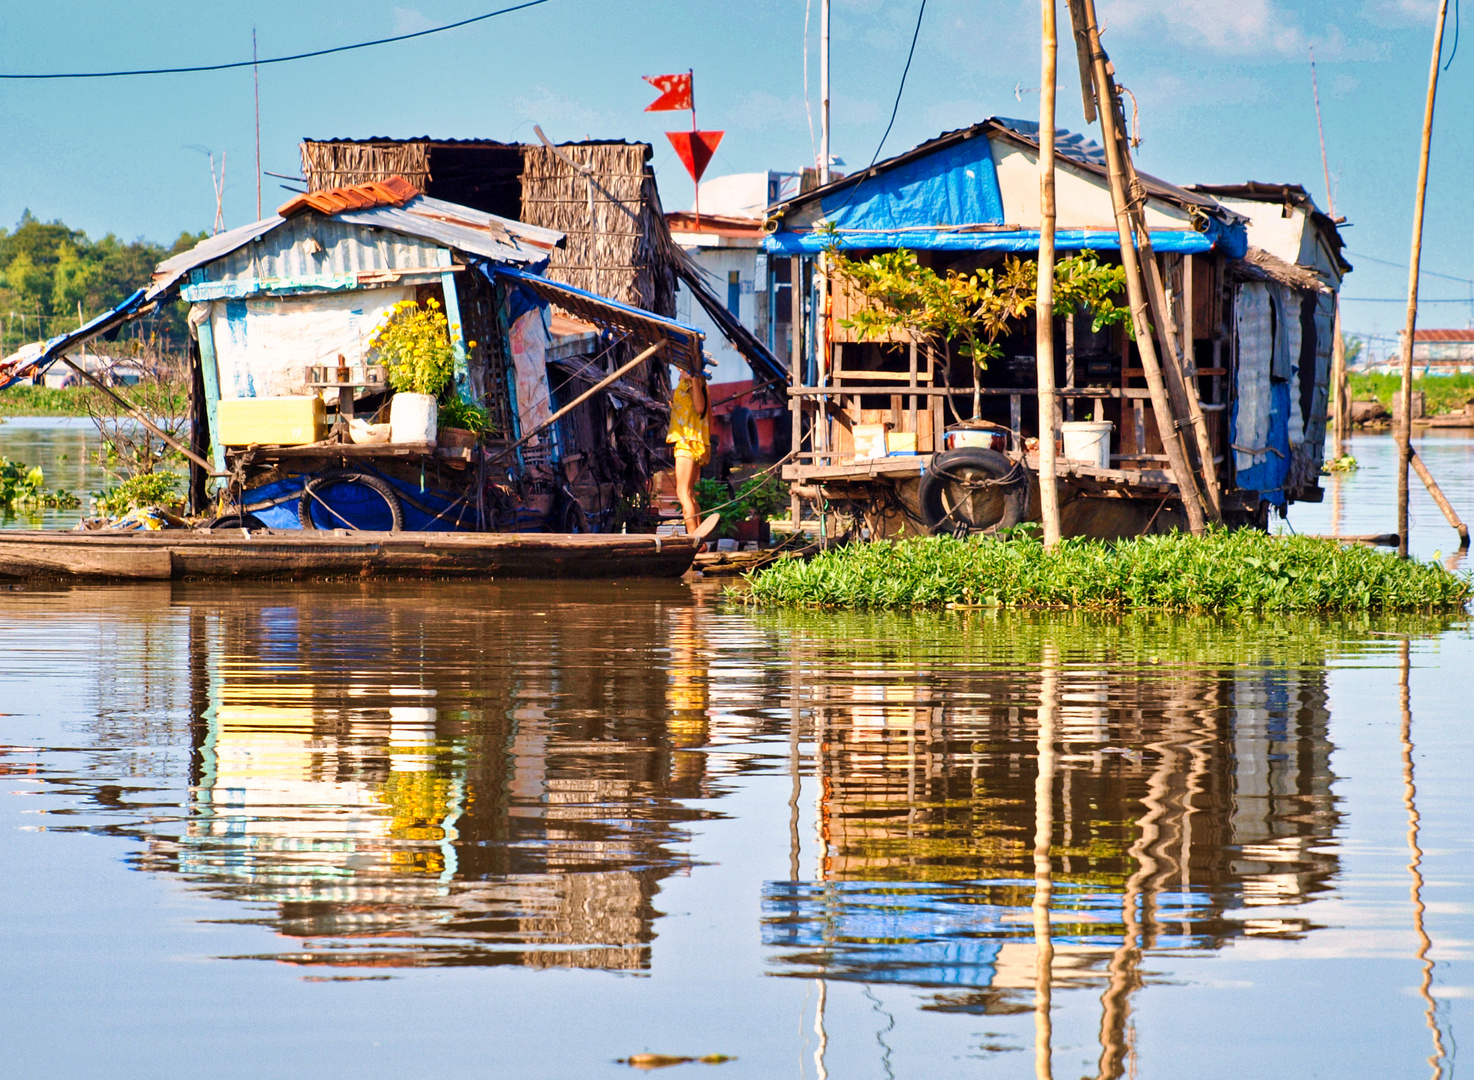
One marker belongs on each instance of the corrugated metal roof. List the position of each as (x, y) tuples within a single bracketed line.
[(339, 248), (1443, 335)]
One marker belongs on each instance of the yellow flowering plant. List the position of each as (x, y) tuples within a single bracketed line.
[(413, 343)]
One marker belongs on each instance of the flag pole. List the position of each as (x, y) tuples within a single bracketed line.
[(695, 182)]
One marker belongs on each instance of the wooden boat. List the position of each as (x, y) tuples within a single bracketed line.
[(266, 553)]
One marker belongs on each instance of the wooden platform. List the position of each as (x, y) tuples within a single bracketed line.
[(265, 553), (1105, 483)]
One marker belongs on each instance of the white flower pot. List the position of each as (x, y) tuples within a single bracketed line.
[(413, 418)]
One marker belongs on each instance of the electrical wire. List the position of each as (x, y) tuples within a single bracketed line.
[(276, 59), (1455, 50), (895, 108), (1403, 266)]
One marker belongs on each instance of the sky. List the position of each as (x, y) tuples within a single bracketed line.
[(1223, 88)]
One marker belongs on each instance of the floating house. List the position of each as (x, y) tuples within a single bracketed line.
[(869, 415), (283, 309)]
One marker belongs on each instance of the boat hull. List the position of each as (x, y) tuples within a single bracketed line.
[(205, 553)]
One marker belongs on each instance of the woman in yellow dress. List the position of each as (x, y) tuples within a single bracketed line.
[(690, 433)]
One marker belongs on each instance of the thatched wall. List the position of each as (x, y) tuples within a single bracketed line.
[(337, 164), (618, 245)]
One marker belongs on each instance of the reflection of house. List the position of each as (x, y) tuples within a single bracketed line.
[(377, 803), (1209, 790)]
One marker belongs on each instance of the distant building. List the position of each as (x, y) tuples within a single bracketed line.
[(1443, 352)]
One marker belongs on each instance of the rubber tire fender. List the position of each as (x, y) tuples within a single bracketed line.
[(991, 462), (572, 518), (744, 433), (349, 476), (235, 520)]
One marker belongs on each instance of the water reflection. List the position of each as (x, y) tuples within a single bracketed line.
[(1179, 795), (987, 810)]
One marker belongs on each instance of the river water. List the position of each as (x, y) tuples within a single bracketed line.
[(528, 829)]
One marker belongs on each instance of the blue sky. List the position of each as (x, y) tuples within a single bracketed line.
[(1223, 86)]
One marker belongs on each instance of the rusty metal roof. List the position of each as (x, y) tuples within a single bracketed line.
[(1443, 335)]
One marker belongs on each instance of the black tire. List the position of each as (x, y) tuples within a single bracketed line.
[(236, 521), (744, 433), (949, 502), (314, 500), (572, 518)]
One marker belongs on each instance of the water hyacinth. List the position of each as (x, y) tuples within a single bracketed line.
[(1234, 572)]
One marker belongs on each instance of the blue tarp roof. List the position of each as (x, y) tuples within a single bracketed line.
[(944, 195)]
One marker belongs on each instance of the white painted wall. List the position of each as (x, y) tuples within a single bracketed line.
[(719, 262)]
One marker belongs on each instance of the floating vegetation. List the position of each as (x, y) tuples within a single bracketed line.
[(145, 489), (23, 488), (1230, 572), (663, 1061), (1344, 463)]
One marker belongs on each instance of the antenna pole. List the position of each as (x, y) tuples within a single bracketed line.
[(256, 78), (1320, 128)]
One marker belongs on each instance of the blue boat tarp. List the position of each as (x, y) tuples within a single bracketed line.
[(1022, 240), (58, 346), (277, 506)]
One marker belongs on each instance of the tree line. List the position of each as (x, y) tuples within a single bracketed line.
[(51, 273)]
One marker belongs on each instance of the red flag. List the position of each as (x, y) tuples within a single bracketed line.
[(675, 92), (695, 149)]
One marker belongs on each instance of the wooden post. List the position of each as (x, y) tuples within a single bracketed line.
[(796, 378), (1441, 499), (1341, 411), (1044, 305), (1110, 119), (1405, 391)]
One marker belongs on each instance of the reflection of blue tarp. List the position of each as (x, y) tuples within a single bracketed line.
[(942, 933)]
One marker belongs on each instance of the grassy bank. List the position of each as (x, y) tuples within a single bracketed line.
[(1229, 572), (43, 401), (1445, 393)]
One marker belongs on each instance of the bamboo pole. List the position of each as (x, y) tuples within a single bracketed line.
[(1341, 413), (1405, 391), (138, 415), (1440, 498), (1177, 369), (1044, 307), (1110, 121), (576, 402), (1043, 863)]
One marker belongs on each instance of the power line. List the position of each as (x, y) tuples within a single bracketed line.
[(895, 108), (1403, 266), (277, 59)]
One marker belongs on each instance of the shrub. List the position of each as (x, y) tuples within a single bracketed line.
[(146, 489)]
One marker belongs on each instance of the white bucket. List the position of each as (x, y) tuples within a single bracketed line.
[(413, 418), (1088, 441), (970, 437)]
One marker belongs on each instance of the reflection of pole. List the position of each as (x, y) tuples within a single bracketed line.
[(1414, 866), (819, 1069), (1336, 503), (1043, 868), (793, 711)]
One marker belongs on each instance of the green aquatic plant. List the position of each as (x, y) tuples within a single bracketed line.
[(146, 489), (1232, 572), (23, 487)]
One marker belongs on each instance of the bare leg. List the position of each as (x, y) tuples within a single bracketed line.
[(687, 473)]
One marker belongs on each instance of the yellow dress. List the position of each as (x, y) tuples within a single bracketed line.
[(689, 431)]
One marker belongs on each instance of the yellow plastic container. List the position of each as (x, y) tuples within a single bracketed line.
[(271, 421)]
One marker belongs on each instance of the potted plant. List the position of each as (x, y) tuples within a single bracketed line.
[(761, 497), (461, 423), (413, 344)]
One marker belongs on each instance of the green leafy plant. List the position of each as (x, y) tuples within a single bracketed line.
[(900, 296), (1442, 393), (1239, 572), (414, 344), (763, 496), (760, 497), (456, 413), (145, 489), (23, 488)]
